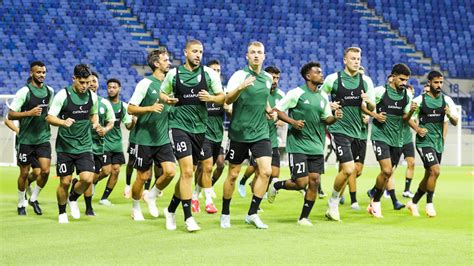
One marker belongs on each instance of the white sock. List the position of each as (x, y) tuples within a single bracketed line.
[(35, 193), (208, 194), (154, 192), (335, 194), (196, 191), (21, 199), (136, 204)]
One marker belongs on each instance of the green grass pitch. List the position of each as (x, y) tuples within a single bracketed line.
[(113, 238)]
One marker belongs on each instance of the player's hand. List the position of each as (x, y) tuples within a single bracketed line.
[(156, 107), (101, 131), (421, 132), (36, 111), (272, 115), (279, 123), (134, 119), (380, 117), (68, 122), (413, 106), (247, 82), (170, 100), (298, 124), (338, 114), (365, 119), (335, 105), (204, 96)]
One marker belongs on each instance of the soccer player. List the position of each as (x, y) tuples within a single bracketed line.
[(113, 149), (352, 90), (106, 121), (74, 111), (210, 151), (275, 95), (150, 134), (308, 114), (30, 106), (434, 110), (194, 85), (249, 89), (394, 107)]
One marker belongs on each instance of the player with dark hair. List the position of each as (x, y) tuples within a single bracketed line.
[(150, 134), (434, 110), (394, 107), (308, 114), (194, 86), (30, 106), (74, 112)]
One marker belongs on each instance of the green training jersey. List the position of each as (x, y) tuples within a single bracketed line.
[(113, 139), (106, 115), (215, 122), (151, 128), (394, 103), (406, 133), (190, 114), (364, 131), (249, 121), (273, 99), (347, 91), (312, 107), (431, 115), (68, 103), (26, 99)]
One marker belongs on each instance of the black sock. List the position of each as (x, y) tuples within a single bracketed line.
[(377, 194), (254, 205), (243, 180), (88, 201), (186, 208), (107, 192), (213, 181), (279, 185), (73, 196), (128, 179), (418, 196), (226, 206), (320, 190), (393, 196), (429, 196), (173, 204), (353, 197), (147, 184), (407, 184), (307, 206), (62, 208)]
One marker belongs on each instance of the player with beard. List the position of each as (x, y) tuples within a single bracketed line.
[(434, 110)]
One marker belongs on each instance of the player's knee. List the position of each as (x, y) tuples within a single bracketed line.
[(301, 183), (65, 182), (169, 173), (187, 173), (387, 172), (435, 171), (347, 170)]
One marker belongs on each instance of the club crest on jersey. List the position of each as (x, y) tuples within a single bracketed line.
[(306, 101), (102, 110), (80, 107), (322, 105)]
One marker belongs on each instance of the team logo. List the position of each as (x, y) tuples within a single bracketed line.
[(192, 91), (322, 105), (396, 104), (102, 110), (154, 92), (434, 111), (44, 101), (306, 101), (269, 84), (352, 93), (80, 107)]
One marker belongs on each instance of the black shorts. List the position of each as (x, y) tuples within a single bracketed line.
[(359, 148), (383, 151), (26, 152), (275, 158), (408, 150), (429, 156), (66, 162), (146, 155), (210, 149), (114, 158), (239, 151), (131, 151), (186, 144), (35, 163), (342, 146), (99, 162), (301, 164)]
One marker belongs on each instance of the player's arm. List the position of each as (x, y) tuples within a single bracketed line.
[(109, 117), (289, 101), (445, 131), (9, 123), (410, 109), (368, 97), (451, 112), (132, 124), (15, 113), (327, 116), (128, 120), (52, 117), (140, 110), (204, 96), (237, 84)]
